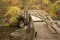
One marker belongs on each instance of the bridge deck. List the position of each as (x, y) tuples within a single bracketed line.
[(43, 32)]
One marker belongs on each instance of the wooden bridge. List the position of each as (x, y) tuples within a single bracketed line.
[(45, 26)]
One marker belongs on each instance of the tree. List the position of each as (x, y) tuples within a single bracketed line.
[(54, 9)]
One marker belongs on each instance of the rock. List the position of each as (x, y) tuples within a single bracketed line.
[(22, 34), (19, 34)]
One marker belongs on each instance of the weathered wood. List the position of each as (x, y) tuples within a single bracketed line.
[(49, 21), (51, 24)]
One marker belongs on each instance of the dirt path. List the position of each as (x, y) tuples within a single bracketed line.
[(43, 33)]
